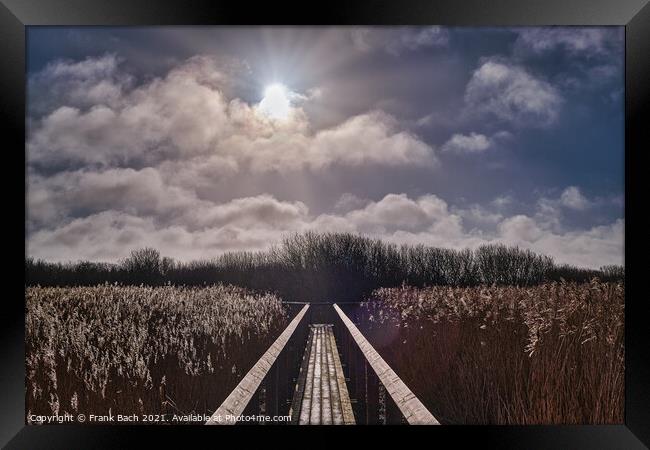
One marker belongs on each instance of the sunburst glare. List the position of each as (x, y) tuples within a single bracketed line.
[(276, 102)]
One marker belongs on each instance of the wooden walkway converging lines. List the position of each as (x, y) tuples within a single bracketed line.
[(301, 378), (236, 402), (321, 396), (413, 410)]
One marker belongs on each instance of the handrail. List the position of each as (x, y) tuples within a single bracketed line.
[(411, 408), (234, 405)]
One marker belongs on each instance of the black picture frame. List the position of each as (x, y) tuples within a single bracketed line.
[(16, 15)]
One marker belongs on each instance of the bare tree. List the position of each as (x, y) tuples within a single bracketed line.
[(144, 266)]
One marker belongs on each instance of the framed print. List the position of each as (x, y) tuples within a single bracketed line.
[(412, 219)]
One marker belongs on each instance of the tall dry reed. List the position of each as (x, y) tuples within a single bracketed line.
[(140, 349), (549, 354)]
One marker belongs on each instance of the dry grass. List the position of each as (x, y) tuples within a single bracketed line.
[(140, 349), (550, 354)]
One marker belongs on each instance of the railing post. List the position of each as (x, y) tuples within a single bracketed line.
[(372, 396), (357, 379), (360, 384), (382, 407), (283, 382), (272, 390), (253, 407), (393, 415)]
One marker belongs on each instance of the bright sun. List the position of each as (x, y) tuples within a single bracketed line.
[(276, 101)]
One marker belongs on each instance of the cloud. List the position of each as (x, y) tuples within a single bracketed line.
[(472, 143), (478, 217), (186, 227), (79, 84), (589, 77), (186, 114), (594, 247), (248, 213), (520, 229), (576, 41), (371, 138), (502, 201), (399, 39), (551, 211), (429, 220), (511, 94), (79, 193), (146, 193), (572, 198), (397, 212), (348, 202), (583, 58), (116, 163), (110, 235)]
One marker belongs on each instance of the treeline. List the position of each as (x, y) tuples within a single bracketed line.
[(324, 267)]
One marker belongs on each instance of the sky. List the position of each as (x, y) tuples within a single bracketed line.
[(204, 140)]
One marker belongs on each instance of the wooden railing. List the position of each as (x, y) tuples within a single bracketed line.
[(377, 394), (276, 388), (402, 404)]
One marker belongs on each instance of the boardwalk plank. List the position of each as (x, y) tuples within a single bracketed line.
[(301, 383), (326, 402), (315, 416), (344, 395), (309, 387), (410, 406), (337, 416), (239, 398), (325, 398)]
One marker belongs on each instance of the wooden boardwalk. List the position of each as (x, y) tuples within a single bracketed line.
[(321, 396)]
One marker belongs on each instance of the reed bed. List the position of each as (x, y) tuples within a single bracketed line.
[(142, 350), (548, 354)]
